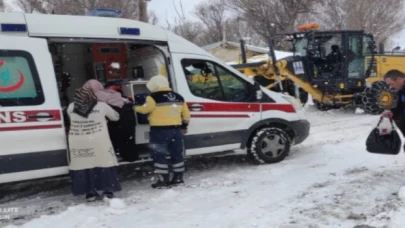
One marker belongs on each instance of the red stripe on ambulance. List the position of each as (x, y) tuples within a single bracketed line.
[(29, 116), (34, 127), (278, 107), (241, 107), (219, 116)]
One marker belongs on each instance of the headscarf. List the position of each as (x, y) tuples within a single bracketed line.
[(157, 82), (84, 101), (108, 96)]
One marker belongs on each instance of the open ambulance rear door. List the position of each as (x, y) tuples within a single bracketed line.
[(32, 135)]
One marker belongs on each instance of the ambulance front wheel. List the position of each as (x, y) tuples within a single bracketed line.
[(269, 145)]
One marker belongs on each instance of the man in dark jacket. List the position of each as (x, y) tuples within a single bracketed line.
[(396, 80)]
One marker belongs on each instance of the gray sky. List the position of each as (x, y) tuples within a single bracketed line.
[(165, 9), (399, 40)]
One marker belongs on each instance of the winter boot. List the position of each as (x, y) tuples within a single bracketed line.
[(90, 197), (108, 194), (163, 182), (177, 179)]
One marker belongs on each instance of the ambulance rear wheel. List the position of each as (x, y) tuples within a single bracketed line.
[(269, 145)]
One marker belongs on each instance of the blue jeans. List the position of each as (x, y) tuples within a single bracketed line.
[(164, 142)]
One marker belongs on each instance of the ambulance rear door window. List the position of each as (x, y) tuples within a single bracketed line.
[(19, 80)]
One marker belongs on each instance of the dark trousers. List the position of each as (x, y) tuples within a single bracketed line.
[(122, 133), (400, 122), (167, 142)]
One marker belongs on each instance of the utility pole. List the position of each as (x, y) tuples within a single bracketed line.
[(143, 10)]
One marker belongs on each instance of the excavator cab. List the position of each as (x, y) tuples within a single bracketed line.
[(333, 61)]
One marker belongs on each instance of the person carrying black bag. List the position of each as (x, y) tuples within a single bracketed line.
[(390, 141), (396, 80), (384, 140)]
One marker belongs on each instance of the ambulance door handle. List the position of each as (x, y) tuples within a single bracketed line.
[(196, 107)]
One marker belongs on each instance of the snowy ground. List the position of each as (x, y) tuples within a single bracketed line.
[(328, 181)]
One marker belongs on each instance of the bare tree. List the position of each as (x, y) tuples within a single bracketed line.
[(187, 29), (330, 14), (143, 10), (238, 28), (267, 18), (212, 14), (2, 5), (381, 18), (213, 25), (30, 6), (129, 8), (190, 31), (152, 18)]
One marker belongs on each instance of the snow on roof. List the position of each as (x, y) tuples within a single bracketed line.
[(236, 44), (258, 58), (261, 58)]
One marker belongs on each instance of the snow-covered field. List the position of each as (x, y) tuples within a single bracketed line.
[(328, 181)]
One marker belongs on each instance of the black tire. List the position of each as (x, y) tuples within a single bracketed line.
[(303, 96), (256, 150), (372, 96), (322, 107)]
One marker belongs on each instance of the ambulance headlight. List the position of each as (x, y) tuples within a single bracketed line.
[(294, 102)]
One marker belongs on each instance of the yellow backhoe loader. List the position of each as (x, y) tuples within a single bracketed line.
[(337, 68)]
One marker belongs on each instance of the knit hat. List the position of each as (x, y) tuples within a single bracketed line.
[(157, 82)]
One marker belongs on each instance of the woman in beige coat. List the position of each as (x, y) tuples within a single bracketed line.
[(92, 159)]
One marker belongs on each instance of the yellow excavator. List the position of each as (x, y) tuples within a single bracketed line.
[(337, 68)]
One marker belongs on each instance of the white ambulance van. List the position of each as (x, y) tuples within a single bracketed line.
[(228, 110)]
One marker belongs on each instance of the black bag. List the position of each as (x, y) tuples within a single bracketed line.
[(389, 144)]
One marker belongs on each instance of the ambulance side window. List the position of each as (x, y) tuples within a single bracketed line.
[(19, 79), (235, 88), (209, 80)]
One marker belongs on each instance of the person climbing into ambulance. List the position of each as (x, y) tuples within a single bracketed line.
[(121, 131), (168, 117)]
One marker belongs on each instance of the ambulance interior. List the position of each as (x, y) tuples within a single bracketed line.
[(127, 64)]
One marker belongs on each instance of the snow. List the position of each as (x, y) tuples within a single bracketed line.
[(401, 193), (265, 57), (117, 204), (330, 180), (115, 65), (359, 111)]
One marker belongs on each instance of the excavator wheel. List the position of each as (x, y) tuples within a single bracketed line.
[(378, 97)]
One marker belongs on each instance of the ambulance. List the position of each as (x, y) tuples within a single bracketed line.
[(229, 112)]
